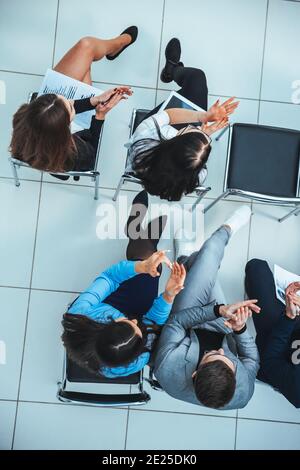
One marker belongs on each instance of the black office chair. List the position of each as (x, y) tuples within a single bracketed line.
[(263, 164), (137, 117), (93, 174), (72, 373)]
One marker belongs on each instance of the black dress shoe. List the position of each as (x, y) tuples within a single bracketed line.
[(133, 32), (172, 53)]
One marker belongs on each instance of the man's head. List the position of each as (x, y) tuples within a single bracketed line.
[(214, 380)]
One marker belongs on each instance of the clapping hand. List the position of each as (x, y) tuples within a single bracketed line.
[(109, 99), (237, 314), (209, 129), (175, 283), (292, 305), (218, 111), (150, 265)]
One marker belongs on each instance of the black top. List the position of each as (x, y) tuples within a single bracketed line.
[(208, 341), (86, 141)]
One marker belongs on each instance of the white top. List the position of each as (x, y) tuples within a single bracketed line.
[(147, 130)]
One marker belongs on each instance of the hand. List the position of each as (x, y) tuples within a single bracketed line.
[(241, 317), (150, 265), (175, 283), (218, 111), (292, 288), (292, 306), (113, 98), (95, 100), (209, 129), (229, 311)]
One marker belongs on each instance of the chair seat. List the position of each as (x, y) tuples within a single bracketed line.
[(78, 374), (264, 160)]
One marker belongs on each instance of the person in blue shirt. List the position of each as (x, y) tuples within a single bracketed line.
[(112, 327), (278, 331)]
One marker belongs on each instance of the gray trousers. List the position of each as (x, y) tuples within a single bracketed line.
[(201, 285)]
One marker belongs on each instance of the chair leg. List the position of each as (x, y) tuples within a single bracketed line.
[(121, 182), (96, 196), (15, 173), (221, 133), (200, 197), (295, 211), (222, 196)]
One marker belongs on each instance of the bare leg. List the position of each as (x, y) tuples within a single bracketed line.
[(87, 78), (77, 62)]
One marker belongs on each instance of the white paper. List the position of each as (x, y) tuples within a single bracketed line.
[(60, 84), (282, 279)]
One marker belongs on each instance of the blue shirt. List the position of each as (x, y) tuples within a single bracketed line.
[(92, 304)]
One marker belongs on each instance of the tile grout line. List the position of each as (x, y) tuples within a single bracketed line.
[(236, 428), (262, 62), (127, 426), (159, 53), (27, 315), (55, 33)]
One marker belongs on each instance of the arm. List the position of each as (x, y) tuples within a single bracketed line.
[(278, 370), (182, 116), (83, 105), (123, 371), (103, 286), (160, 311), (248, 355)]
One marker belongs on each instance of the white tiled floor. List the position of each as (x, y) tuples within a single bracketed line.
[(48, 230)]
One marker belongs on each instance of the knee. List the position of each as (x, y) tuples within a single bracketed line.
[(197, 75), (85, 44), (255, 265)]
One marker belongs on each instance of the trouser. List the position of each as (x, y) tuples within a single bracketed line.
[(193, 87), (260, 285), (136, 296), (201, 285)]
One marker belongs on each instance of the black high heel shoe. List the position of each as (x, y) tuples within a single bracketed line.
[(133, 32), (172, 54)]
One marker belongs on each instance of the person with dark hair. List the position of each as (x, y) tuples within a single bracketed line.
[(205, 354), (277, 331), (112, 327), (42, 134), (171, 161)]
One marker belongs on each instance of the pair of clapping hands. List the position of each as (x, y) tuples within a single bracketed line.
[(236, 315), (109, 99)]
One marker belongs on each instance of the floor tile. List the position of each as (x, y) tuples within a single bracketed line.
[(130, 67), (18, 87), (279, 249), (281, 68), (7, 419), (279, 115), (269, 404), (261, 435), (17, 231), (42, 367), (12, 327), (231, 279), (27, 32), (67, 427), (77, 255), (176, 431), (228, 61)]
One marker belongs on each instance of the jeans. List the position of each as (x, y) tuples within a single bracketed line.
[(201, 285)]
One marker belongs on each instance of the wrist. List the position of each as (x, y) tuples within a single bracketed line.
[(241, 330), (100, 116), (202, 117), (93, 101), (217, 308), (168, 297), (140, 267)]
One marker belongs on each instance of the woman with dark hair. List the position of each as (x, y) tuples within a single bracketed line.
[(171, 161), (112, 327), (41, 129)]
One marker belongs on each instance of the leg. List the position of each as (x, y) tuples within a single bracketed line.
[(77, 62), (202, 267), (260, 285), (193, 87)]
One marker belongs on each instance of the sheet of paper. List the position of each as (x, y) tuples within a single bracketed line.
[(282, 279), (55, 82)]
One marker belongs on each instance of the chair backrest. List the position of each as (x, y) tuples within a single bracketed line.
[(263, 160), (75, 373), (138, 115)]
